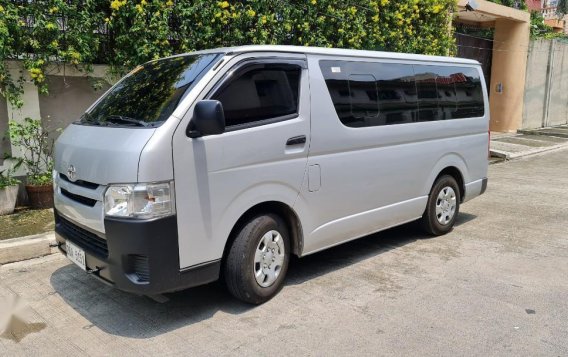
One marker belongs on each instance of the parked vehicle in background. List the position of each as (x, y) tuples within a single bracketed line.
[(225, 162)]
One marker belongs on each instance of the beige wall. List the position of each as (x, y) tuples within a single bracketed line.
[(70, 94), (510, 49)]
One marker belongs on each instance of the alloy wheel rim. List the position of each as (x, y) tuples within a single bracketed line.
[(269, 258), (446, 204)]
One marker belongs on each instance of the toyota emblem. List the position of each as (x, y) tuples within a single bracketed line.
[(71, 173)]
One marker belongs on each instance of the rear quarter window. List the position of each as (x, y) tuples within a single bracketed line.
[(374, 93)]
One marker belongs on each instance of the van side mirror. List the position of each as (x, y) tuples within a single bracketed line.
[(208, 119)]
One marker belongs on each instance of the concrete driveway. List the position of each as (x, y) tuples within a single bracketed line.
[(497, 285)]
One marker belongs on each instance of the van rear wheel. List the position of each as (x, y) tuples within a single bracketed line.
[(258, 259), (443, 206)]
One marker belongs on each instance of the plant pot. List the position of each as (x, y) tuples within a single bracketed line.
[(40, 196), (8, 197)]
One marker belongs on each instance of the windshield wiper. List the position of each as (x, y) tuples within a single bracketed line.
[(88, 118), (122, 119)]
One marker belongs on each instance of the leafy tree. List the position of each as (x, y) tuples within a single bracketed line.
[(37, 149), (562, 7)]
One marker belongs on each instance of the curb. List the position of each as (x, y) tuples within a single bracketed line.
[(512, 156), (500, 154), (24, 248), (543, 132)]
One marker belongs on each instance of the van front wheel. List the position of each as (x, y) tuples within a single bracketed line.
[(443, 206), (258, 260)]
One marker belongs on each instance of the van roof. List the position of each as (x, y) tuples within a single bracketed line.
[(338, 52)]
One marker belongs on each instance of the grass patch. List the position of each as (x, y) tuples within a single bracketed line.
[(26, 222)]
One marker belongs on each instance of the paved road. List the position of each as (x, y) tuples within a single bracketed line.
[(497, 285)]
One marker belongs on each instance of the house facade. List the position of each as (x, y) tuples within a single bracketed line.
[(548, 9)]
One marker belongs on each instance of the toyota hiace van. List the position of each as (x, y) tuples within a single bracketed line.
[(225, 162)]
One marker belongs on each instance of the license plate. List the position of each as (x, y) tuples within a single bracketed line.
[(76, 255)]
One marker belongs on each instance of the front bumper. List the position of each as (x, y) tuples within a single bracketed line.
[(140, 257)]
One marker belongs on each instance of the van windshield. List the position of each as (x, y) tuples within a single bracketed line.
[(150, 93)]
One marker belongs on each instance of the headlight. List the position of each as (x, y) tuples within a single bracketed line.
[(141, 201)]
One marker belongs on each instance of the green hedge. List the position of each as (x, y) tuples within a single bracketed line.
[(124, 33)]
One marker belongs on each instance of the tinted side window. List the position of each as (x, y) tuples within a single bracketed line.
[(447, 96), (448, 92), (404, 93), (397, 92), (428, 96), (363, 95), (469, 93), (259, 92), (336, 79), (358, 89)]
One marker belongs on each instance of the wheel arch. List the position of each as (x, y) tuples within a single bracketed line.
[(275, 207), (457, 175), (453, 165)]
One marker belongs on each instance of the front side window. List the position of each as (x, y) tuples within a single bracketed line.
[(150, 93), (260, 92)]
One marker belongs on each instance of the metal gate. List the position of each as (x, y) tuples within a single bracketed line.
[(478, 49)]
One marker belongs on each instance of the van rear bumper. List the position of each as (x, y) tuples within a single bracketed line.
[(474, 189), (140, 257)]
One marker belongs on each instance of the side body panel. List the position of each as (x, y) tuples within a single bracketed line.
[(218, 178), (374, 178)]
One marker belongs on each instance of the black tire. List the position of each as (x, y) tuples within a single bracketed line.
[(430, 222), (240, 261)]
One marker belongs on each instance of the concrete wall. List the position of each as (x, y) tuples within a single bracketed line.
[(67, 100), (537, 79), (558, 104), (546, 87)]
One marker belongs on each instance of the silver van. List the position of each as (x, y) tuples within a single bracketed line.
[(223, 163)]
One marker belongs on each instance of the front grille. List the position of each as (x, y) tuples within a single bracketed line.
[(138, 268), (86, 184), (77, 198), (83, 238)]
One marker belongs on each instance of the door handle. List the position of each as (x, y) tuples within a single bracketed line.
[(297, 140)]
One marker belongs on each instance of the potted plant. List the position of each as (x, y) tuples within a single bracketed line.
[(36, 148), (8, 192)]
